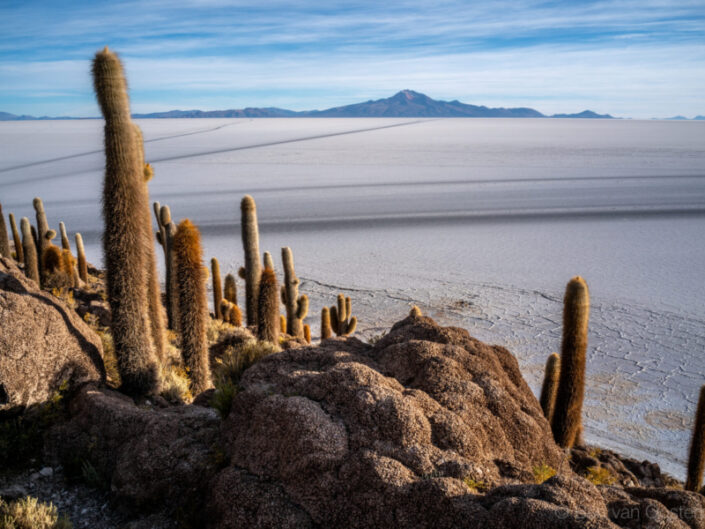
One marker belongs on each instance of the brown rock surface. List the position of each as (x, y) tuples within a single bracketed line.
[(44, 344)]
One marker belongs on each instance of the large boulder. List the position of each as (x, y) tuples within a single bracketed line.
[(44, 344)]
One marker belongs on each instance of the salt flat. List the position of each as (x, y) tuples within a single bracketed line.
[(479, 221)]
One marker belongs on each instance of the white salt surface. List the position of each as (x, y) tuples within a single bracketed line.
[(480, 222)]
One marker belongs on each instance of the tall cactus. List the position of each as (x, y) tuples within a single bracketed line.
[(165, 236), (124, 201), (696, 459), (230, 289), (19, 250), (82, 262), (65, 245), (268, 310), (217, 288), (4, 239), (156, 309), (550, 386), (193, 306), (567, 415), (326, 330), (253, 266), (42, 228), (31, 262), (296, 307)]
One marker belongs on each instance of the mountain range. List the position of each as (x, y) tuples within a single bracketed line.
[(404, 104)]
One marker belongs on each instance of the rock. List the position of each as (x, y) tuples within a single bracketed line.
[(44, 344), (13, 492), (46, 472)]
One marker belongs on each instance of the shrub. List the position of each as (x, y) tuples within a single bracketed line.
[(29, 513), (175, 385), (474, 484), (222, 399), (236, 359), (543, 472), (600, 476)]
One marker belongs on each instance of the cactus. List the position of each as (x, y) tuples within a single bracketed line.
[(64, 238), (282, 324), (342, 320), (217, 289), (550, 386), (696, 459), (51, 260), (165, 236), (68, 268), (567, 412), (82, 263), (230, 289), (31, 266), (193, 306), (415, 312), (253, 267), (268, 310), (296, 306), (326, 330), (4, 240), (268, 261), (124, 201), (19, 250), (231, 313), (42, 227), (307, 333)]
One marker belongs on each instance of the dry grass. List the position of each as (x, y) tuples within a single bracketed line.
[(600, 476), (231, 365), (29, 513), (543, 472), (175, 384)]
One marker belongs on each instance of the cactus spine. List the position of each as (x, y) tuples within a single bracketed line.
[(696, 459), (31, 265), (550, 386), (193, 306), (19, 250), (566, 421), (326, 330), (42, 228), (124, 201), (217, 288), (64, 238), (82, 263), (296, 307), (268, 310), (253, 267), (4, 240)]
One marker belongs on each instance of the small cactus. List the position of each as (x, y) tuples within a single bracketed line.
[(4, 239), (230, 289), (282, 324), (253, 266), (82, 262), (217, 289), (567, 414), (31, 264), (19, 250), (341, 317), (415, 312), (64, 237), (550, 386), (42, 227), (696, 459), (193, 306), (296, 306), (307, 333), (326, 330), (268, 310), (235, 315)]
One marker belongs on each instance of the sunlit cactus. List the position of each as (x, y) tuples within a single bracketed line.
[(567, 414), (415, 312), (268, 261), (51, 260), (230, 289), (65, 245), (19, 250), (307, 333), (550, 386), (4, 239), (326, 330), (82, 262), (296, 306), (68, 268), (253, 266), (193, 306), (31, 264), (217, 289), (124, 201), (282, 324), (268, 313), (342, 320)]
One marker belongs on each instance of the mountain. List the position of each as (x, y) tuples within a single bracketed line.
[(404, 104), (585, 114)]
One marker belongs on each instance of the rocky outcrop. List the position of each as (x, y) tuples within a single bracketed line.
[(44, 344)]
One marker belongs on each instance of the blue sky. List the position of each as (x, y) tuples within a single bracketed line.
[(637, 59)]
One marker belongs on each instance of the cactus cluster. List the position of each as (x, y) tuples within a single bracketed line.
[(341, 319)]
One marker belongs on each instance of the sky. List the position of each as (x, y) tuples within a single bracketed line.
[(629, 58)]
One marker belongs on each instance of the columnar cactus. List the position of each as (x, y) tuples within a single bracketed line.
[(268, 310), (217, 288), (326, 331), (307, 333), (19, 250), (31, 263), (68, 268), (42, 227), (253, 266), (282, 324), (165, 236), (268, 261), (296, 306), (230, 289), (124, 201), (4, 239), (64, 237), (567, 415), (696, 459), (342, 320), (82, 262), (193, 306), (550, 386)]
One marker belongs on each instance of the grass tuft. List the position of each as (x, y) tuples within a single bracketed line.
[(29, 513), (543, 472), (600, 476)]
